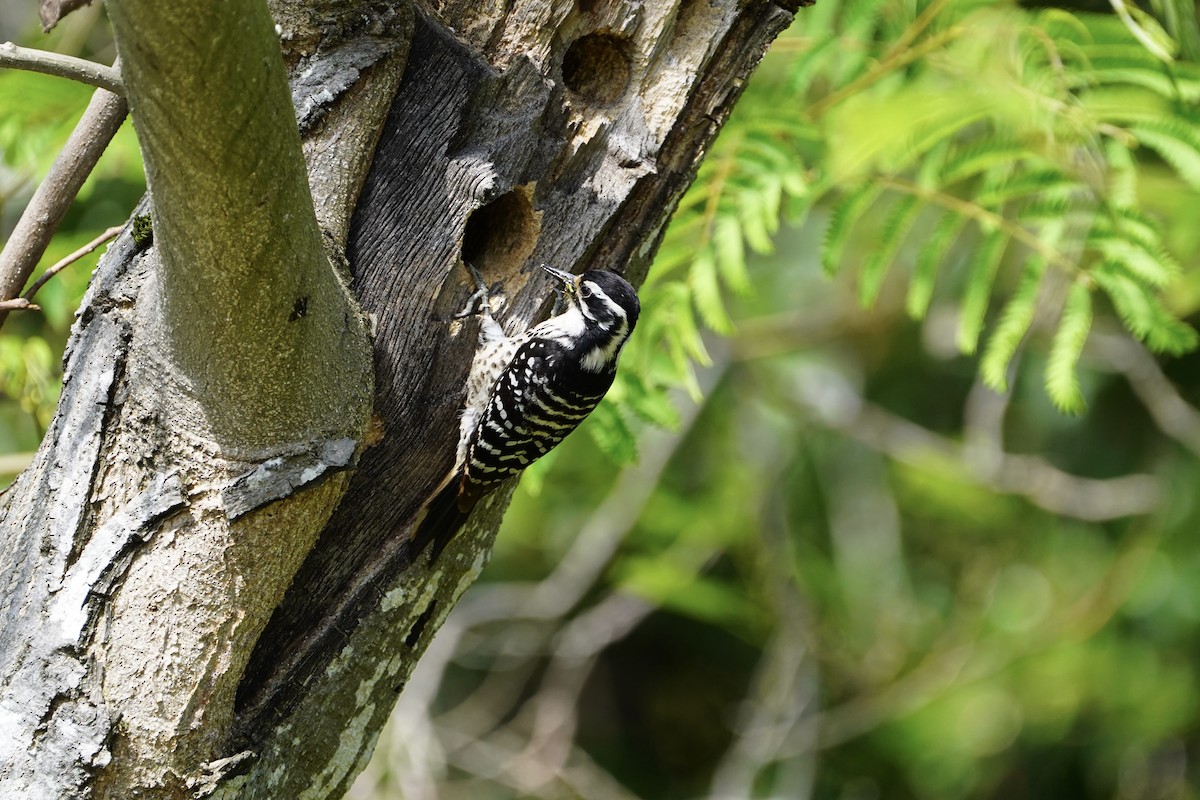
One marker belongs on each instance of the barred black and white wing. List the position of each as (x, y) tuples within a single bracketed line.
[(535, 403), (526, 393)]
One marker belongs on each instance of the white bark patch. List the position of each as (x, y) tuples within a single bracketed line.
[(318, 84), (48, 695), (105, 555), (283, 475)]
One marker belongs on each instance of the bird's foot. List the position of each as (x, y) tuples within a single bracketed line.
[(478, 302)]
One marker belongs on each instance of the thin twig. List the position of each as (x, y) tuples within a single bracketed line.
[(1173, 415), (18, 304), (782, 697), (47, 63), (71, 259), (970, 658), (716, 188), (50, 202), (918, 26), (551, 716)]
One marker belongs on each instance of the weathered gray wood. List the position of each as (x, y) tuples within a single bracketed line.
[(509, 136), (70, 537), (554, 179), (50, 695)]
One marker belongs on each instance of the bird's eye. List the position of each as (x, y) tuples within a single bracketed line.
[(585, 290)]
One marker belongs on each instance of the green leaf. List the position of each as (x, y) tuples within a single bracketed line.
[(1170, 335), (862, 14), (759, 219), (683, 329), (1147, 31), (1050, 185), (1053, 209), (1142, 313), (1015, 320), (1130, 223), (1126, 104), (933, 165), (979, 157), (37, 114), (1062, 383), (981, 273), (890, 133), (730, 252), (958, 118), (612, 433), (1178, 146), (1151, 75), (29, 373), (1153, 268), (933, 253), (895, 230), (859, 21), (651, 404), (706, 292), (814, 60), (842, 220), (1061, 24)]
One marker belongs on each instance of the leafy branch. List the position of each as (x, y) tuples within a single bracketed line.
[(953, 131)]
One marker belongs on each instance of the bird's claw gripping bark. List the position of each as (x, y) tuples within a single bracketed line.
[(478, 302)]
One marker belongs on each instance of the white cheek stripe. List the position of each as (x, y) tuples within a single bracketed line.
[(599, 357)]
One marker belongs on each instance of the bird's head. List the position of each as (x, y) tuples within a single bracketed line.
[(602, 309)]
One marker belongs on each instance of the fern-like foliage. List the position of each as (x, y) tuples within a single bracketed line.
[(981, 153), (1029, 132), (976, 146)]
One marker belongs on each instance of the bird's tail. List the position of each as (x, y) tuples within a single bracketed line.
[(438, 521)]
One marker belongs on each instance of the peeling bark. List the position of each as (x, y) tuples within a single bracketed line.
[(148, 647)]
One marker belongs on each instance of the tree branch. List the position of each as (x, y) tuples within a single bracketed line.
[(47, 63), (1173, 415), (839, 406), (54, 196), (235, 231), (51, 11), (71, 259), (489, 148)]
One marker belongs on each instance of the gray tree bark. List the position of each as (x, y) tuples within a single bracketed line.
[(209, 589)]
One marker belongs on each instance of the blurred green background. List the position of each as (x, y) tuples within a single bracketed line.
[(894, 498)]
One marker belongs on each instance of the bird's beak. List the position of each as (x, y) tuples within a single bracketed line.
[(570, 282)]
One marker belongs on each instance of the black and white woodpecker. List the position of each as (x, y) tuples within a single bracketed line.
[(526, 392)]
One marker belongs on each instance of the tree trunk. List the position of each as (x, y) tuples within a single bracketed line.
[(212, 445)]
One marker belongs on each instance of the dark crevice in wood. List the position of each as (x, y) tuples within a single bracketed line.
[(419, 626), (596, 68), (500, 236)]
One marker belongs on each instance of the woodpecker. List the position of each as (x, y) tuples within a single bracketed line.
[(525, 393)]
